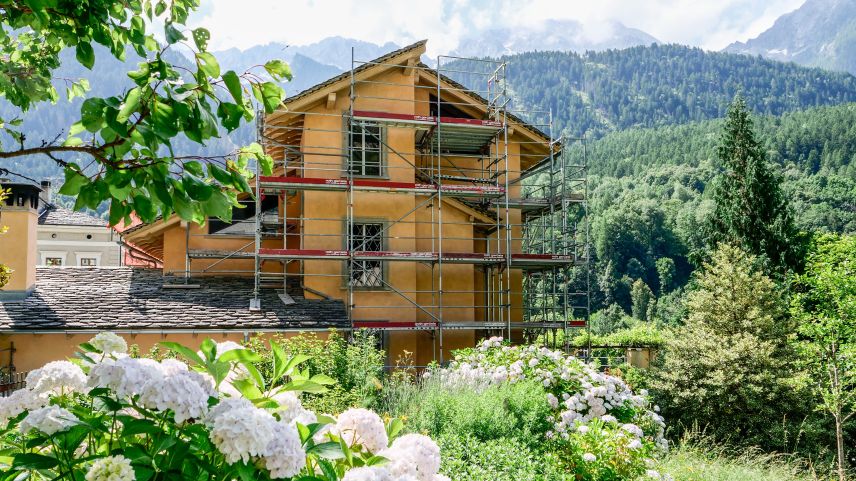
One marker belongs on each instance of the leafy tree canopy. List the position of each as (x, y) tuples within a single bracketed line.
[(122, 146)]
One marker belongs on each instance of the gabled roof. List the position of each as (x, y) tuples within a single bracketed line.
[(133, 299), (55, 215), (420, 45)]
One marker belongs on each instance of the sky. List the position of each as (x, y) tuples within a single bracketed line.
[(710, 24)]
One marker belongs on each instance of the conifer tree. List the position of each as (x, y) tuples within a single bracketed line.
[(751, 211)]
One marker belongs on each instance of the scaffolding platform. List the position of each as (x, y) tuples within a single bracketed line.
[(449, 257), (343, 185), (453, 325)]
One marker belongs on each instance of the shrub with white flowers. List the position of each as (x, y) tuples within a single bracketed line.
[(601, 428), (211, 415)]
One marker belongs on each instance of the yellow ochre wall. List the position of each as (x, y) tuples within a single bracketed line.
[(18, 249)]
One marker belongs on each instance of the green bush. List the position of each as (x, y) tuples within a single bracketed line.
[(356, 365), (466, 457), (516, 411)]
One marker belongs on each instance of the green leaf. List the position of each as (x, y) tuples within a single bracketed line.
[(208, 64), (73, 183), (201, 36), (92, 114), (173, 34), (131, 104), (195, 188), (322, 379), (34, 461), (185, 351), (269, 94), (144, 208), (219, 174), (278, 69), (73, 142), (240, 355), (233, 85), (328, 450), (85, 55)]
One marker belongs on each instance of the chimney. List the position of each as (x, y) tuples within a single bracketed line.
[(47, 191), (18, 250)]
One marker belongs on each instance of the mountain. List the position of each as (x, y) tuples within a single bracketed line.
[(559, 35), (821, 33)]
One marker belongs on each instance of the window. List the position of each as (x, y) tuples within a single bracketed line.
[(53, 261), (88, 261), (366, 149), (367, 237)]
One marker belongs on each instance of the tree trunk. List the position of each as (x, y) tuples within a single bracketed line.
[(839, 440)]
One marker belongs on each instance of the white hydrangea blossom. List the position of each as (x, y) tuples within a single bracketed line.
[(413, 455), (368, 473), (589, 457), (242, 433), (225, 405), (111, 468), (586, 394), (48, 420), (18, 402), (56, 377), (289, 405), (109, 343), (364, 427), (284, 456), (180, 392), (124, 376)]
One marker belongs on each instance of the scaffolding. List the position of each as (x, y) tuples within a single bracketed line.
[(482, 228)]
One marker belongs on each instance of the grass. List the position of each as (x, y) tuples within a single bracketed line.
[(702, 460)]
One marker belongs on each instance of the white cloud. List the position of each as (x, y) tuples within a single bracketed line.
[(710, 24)]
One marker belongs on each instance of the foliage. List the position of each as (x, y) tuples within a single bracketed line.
[(355, 365), (640, 334), (697, 458), (729, 367), (128, 137), (825, 306), (751, 211), (111, 417), (596, 428), (642, 300)]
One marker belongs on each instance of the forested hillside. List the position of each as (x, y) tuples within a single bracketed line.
[(600, 92), (649, 196)]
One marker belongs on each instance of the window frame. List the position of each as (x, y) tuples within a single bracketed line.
[(350, 150), (384, 266)]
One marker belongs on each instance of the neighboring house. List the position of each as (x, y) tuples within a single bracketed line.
[(70, 238), (400, 201)]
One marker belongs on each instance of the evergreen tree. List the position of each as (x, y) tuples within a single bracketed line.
[(641, 298), (751, 211), (728, 368)]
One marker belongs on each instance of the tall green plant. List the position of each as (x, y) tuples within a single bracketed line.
[(751, 210), (825, 305), (728, 368)]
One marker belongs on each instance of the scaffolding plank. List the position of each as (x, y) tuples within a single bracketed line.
[(426, 120), (453, 325), (314, 183), (416, 256), (541, 260)]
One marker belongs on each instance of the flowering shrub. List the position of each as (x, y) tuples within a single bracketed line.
[(110, 417), (601, 430)]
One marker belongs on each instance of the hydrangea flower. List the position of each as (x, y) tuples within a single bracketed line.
[(242, 433), (18, 402), (363, 427), (284, 456), (124, 376), (368, 473), (111, 468), (48, 420), (180, 392), (589, 457), (109, 343), (56, 377), (415, 455)]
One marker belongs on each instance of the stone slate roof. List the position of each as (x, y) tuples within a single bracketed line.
[(56, 215), (126, 298)]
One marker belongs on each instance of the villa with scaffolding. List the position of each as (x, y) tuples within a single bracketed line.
[(415, 198)]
